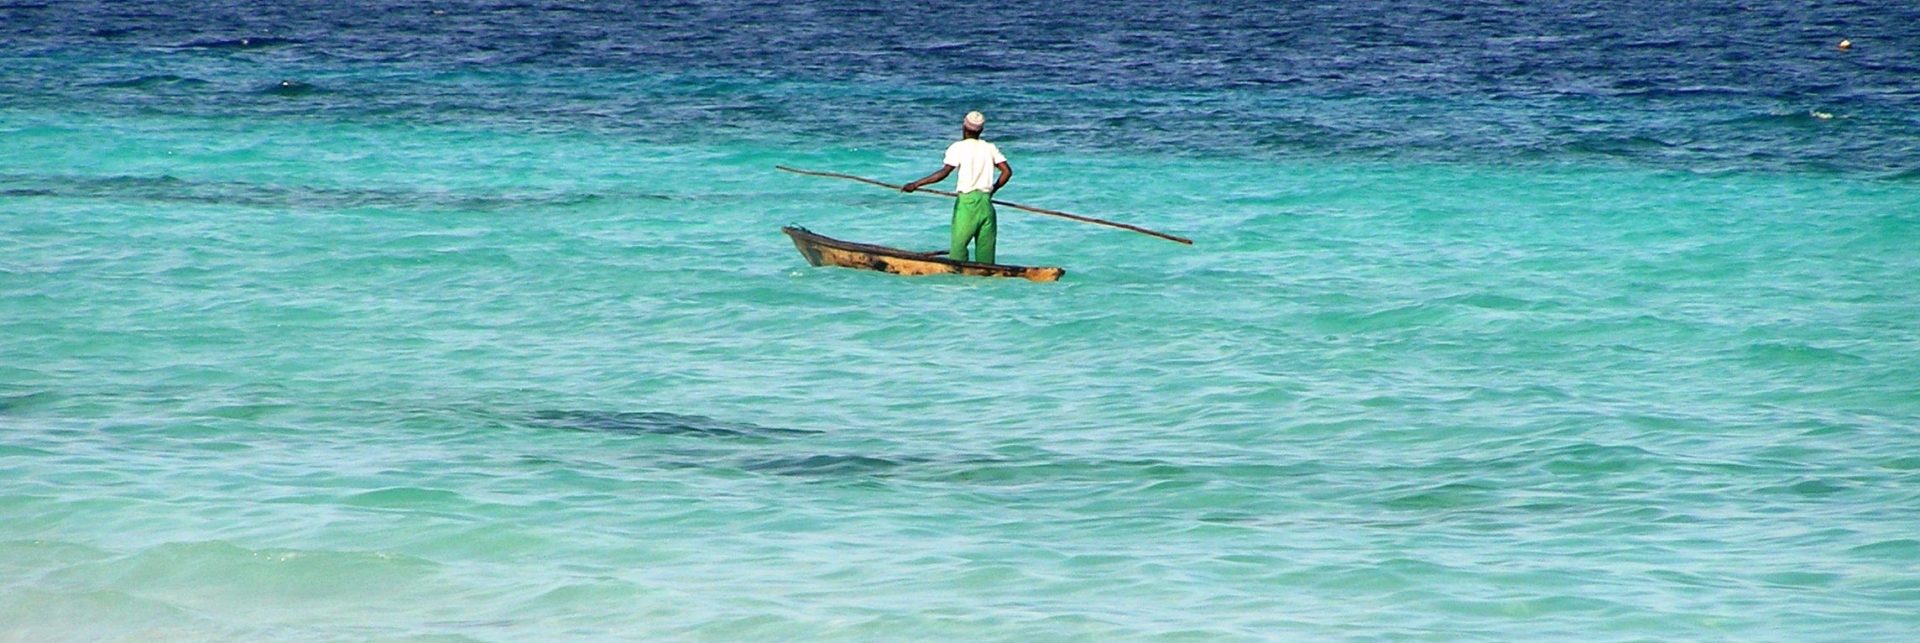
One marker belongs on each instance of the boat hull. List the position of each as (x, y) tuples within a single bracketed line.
[(822, 250)]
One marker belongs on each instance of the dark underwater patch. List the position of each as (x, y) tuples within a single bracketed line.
[(1909, 174), (291, 88), (823, 464), (152, 81), (247, 42), (167, 188), (13, 403), (658, 423)]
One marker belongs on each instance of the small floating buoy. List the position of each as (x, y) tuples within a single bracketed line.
[(1846, 44), (286, 83)]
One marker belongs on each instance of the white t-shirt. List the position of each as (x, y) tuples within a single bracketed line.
[(973, 160)]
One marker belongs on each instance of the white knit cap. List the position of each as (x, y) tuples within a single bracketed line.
[(975, 121)]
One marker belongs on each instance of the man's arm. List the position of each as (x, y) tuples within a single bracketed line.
[(936, 177), (1006, 174)]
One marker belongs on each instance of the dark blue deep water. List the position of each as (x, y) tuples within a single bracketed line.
[(1719, 86)]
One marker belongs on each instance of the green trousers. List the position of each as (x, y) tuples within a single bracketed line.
[(973, 220)]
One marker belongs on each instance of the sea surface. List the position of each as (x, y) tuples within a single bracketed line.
[(471, 320)]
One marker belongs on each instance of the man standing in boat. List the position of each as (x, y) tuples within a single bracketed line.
[(973, 216)]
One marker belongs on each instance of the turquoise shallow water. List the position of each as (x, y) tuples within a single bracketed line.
[(310, 380), (476, 332)]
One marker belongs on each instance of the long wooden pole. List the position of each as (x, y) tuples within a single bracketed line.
[(1009, 204)]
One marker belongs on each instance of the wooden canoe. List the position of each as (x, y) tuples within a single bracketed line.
[(821, 250)]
